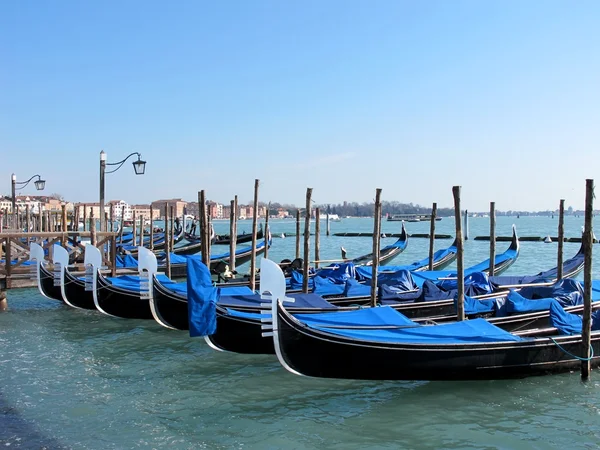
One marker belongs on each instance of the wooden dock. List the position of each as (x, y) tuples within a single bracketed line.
[(14, 247)]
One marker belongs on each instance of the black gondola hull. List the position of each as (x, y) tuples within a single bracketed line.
[(47, 284), (76, 294), (171, 310), (240, 336), (120, 302), (315, 354)]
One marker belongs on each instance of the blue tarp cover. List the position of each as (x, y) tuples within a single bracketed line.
[(338, 273), (568, 292), (126, 261), (366, 317), (132, 282), (517, 304), (325, 286), (476, 283), (247, 315), (202, 299), (475, 306), (254, 300), (354, 289), (465, 332), (366, 272), (568, 323)]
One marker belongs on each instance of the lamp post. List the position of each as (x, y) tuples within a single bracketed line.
[(39, 185), (139, 168)]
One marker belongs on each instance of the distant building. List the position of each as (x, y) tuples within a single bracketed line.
[(87, 208), (215, 210), (191, 209), (178, 204), (121, 209), (144, 210)]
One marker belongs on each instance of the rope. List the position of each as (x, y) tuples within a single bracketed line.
[(575, 356)]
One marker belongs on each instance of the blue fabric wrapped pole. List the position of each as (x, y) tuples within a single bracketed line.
[(202, 299)]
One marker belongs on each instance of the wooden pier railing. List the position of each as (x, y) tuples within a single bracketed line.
[(14, 251)]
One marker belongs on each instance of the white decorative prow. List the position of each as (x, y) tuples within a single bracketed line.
[(36, 253), (272, 287), (60, 259), (92, 261)]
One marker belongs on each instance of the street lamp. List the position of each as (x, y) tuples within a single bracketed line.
[(39, 185), (139, 167)]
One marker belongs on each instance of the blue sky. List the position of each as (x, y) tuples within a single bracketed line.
[(342, 96)]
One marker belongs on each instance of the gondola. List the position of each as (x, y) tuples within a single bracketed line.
[(225, 239), (173, 308), (233, 329), (193, 246), (45, 278), (217, 261), (124, 296), (392, 347), (386, 254)]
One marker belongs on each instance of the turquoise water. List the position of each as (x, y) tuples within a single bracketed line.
[(76, 379)]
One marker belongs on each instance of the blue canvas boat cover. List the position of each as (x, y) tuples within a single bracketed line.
[(132, 282), (378, 316), (517, 304), (476, 306), (466, 332), (355, 289), (338, 273), (568, 292), (126, 261), (427, 293), (253, 301), (476, 283), (202, 299), (325, 286), (567, 323), (389, 295)]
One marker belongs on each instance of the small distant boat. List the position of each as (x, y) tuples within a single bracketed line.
[(332, 217)]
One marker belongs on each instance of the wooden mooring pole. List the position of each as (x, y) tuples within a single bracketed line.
[(203, 228), (151, 227), (167, 242), (135, 228), (460, 270), (112, 218), (254, 230), (561, 239), (266, 232), (328, 232), (317, 236), (376, 245), (85, 223), (141, 230), (588, 234), (92, 228), (492, 238), (297, 233), (432, 234), (305, 267), (171, 228), (40, 218), (232, 233)]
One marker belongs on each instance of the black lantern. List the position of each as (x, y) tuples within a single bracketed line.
[(40, 184), (139, 166)]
